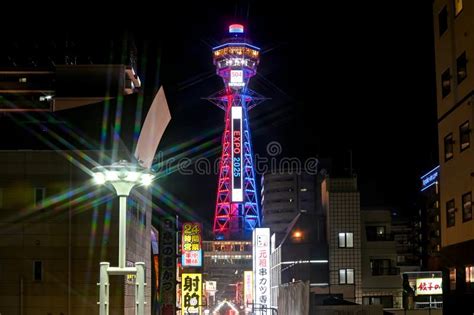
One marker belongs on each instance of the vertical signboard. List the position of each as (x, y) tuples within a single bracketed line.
[(248, 288), (191, 245), (168, 265), (261, 269), (237, 162), (191, 293)]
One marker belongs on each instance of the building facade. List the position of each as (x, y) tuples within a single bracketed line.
[(454, 47), (285, 195), (56, 227), (341, 199), (381, 280), (430, 220), (292, 209)]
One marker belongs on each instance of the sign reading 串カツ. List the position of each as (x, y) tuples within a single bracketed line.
[(429, 286), (191, 293), (237, 163), (261, 268), (191, 245)]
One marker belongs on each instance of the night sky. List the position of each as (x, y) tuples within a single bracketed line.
[(341, 77)]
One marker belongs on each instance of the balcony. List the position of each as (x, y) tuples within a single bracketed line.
[(390, 271), (386, 237)]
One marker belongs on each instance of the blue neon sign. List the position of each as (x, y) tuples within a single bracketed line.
[(430, 178)]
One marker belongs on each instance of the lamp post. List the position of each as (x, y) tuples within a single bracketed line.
[(123, 176)]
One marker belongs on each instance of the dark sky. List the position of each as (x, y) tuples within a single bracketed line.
[(341, 77)]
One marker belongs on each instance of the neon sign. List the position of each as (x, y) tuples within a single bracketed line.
[(429, 286), (191, 245), (236, 28), (430, 178), (191, 293), (248, 288), (261, 267), (237, 163)]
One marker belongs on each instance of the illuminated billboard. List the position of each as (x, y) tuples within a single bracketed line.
[(248, 288), (430, 178), (191, 255), (236, 78), (429, 286), (261, 267), (237, 162), (191, 293)]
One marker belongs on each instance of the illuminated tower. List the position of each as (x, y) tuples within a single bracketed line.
[(237, 211)]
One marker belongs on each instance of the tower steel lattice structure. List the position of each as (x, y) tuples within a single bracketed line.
[(237, 210)]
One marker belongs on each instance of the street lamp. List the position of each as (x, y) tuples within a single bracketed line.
[(123, 176)]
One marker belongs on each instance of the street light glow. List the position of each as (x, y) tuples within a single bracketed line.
[(121, 173), (147, 179), (99, 178)]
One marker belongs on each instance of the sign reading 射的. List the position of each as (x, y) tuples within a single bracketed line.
[(237, 163), (191, 255), (248, 287), (261, 268), (429, 286), (191, 293)]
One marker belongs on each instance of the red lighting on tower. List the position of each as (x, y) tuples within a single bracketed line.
[(237, 211)]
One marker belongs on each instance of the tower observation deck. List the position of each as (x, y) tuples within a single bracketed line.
[(237, 210)]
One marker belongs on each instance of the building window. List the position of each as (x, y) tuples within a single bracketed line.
[(452, 278), (450, 213), (383, 267), (346, 276), (464, 136), (457, 7), (466, 207), (38, 270), (443, 21), (448, 147), (376, 233), (469, 274), (40, 193), (445, 83), (386, 301), (461, 67), (346, 240)]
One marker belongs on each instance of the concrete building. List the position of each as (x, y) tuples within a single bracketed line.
[(454, 48), (381, 280), (320, 244), (55, 229), (285, 195), (292, 209), (341, 199), (407, 235), (430, 220)]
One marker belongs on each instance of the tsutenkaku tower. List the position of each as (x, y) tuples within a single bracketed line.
[(237, 210)]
